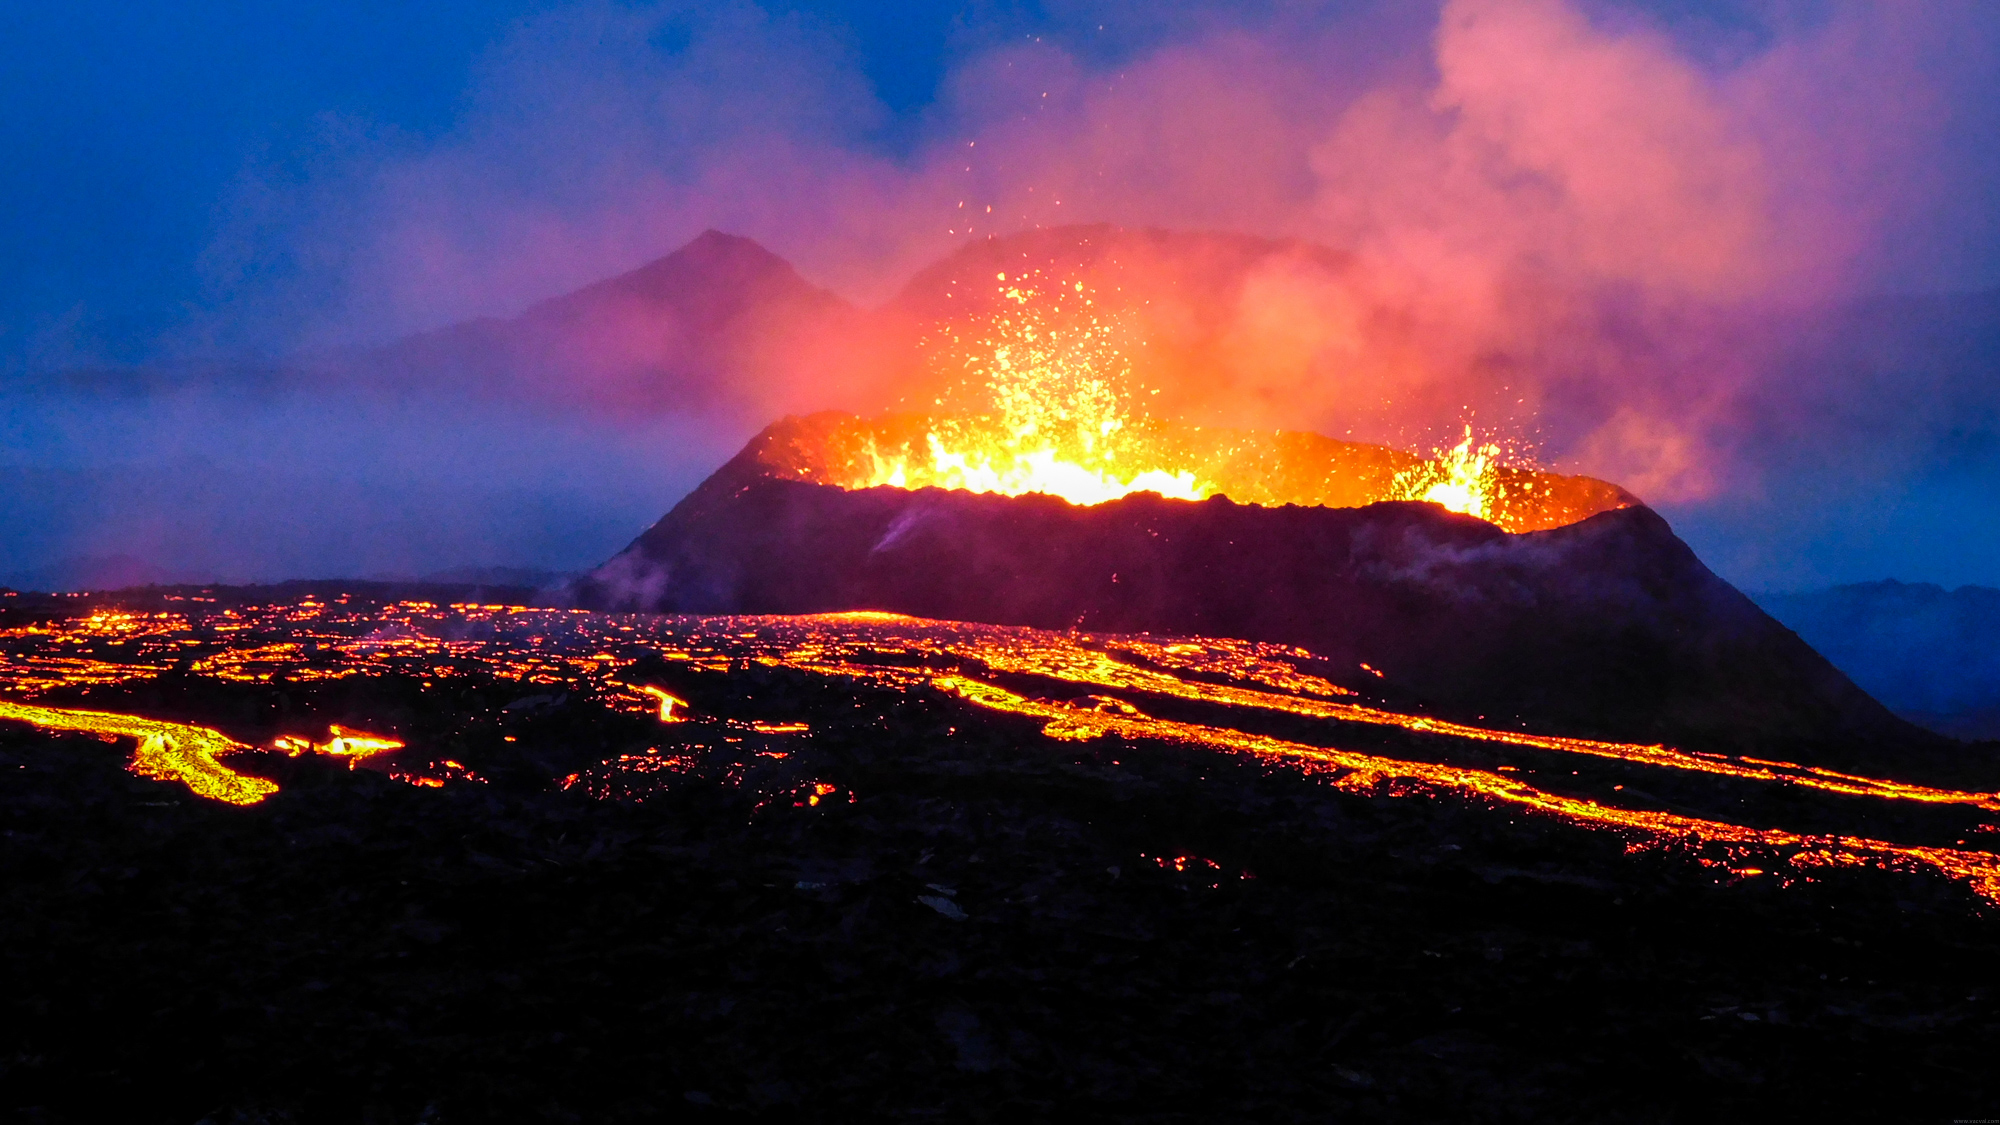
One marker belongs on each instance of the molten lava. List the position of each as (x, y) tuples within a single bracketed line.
[(166, 752), (1461, 479), (1212, 694), (355, 746), (1047, 405), (1056, 419), (667, 703)]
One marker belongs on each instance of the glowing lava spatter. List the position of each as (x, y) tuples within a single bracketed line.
[(1054, 414), (1050, 409), (1460, 479)]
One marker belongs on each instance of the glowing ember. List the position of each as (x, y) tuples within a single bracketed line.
[(355, 746), (435, 776), (667, 703)]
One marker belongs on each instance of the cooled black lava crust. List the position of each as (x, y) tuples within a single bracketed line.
[(1148, 934)]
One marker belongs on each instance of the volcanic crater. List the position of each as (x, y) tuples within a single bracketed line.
[(1590, 617)]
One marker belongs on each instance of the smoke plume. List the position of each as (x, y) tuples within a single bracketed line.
[(1610, 233)]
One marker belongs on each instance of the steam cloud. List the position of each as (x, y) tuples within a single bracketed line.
[(1597, 230)]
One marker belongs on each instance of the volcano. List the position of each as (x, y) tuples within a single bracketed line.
[(1594, 619), (1192, 774)]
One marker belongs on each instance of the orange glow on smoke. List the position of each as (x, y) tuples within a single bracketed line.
[(1046, 404)]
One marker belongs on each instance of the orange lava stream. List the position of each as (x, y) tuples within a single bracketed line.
[(1061, 658), (595, 652), (1367, 773), (1754, 769), (667, 703), (167, 751), (353, 745)]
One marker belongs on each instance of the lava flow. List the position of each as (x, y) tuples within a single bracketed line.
[(353, 746), (167, 751), (1269, 702)]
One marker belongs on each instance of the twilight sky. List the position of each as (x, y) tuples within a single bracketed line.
[(214, 180)]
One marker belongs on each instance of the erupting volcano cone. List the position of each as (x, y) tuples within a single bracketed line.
[(1600, 622)]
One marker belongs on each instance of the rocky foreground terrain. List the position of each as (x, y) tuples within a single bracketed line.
[(922, 911)]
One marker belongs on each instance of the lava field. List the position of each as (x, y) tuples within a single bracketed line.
[(620, 867)]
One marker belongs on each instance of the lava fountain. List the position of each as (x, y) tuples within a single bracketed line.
[(1044, 401)]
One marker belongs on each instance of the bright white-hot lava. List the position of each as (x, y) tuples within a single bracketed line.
[(1054, 412), (1459, 479), (1056, 416)]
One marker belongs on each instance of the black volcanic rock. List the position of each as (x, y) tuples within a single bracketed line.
[(1608, 627), (359, 950)]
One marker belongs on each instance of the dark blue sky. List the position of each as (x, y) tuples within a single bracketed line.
[(126, 125), (127, 122)]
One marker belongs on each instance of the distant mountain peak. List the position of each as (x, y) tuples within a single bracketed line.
[(706, 324), (715, 241), (711, 266)]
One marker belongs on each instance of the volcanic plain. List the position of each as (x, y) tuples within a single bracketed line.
[(626, 867)]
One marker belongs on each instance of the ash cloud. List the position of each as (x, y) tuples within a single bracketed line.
[(1630, 237)]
